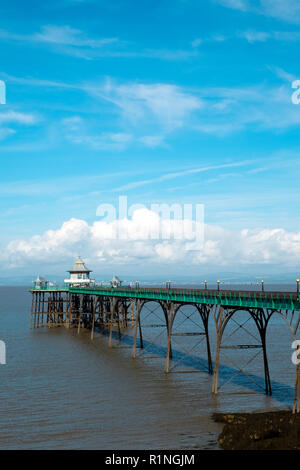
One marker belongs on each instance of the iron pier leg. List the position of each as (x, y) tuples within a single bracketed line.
[(31, 311), (94, 302), (141, 334), (112, 305), (268, 387), (138, 307), (204, 313), (80, 312), (170, 310), (167, 365), (217, 361), (218, 314)]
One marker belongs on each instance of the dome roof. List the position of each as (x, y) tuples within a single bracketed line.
[(79, 267)]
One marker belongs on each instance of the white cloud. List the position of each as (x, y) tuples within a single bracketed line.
[(13, 117), (288, 10), (149, 113), (6, 132), (152, 113), (255, 36), (218, 110), (168, 105), (76, 132), (262, 36), (180, 174), (253, 108), (152, 140), (235, 4), (285, 10), (252, 36), (17, 117), (98, 243), (70, 36), (283, 74), (196, 42), (75, 42), (59, 35)]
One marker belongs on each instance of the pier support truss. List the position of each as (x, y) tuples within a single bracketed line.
[(261, 318), (49, 308), (160, 317), (188, 328), (168, 329)]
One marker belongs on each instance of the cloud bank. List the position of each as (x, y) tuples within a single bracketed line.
[(100, 247)]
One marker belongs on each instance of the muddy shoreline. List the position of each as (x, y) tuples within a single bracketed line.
[(274, 430)]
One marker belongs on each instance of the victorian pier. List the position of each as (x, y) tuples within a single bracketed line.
[(116, 309)]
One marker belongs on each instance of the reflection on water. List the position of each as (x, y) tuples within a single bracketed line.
[(60, 390)]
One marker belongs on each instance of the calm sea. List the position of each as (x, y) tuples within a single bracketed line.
[(60, 390)]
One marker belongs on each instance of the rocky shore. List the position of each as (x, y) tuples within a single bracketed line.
[(278, 430)]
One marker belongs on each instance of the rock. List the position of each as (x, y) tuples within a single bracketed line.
[(270, 430)]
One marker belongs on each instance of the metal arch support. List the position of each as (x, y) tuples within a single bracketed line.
[(139, 304), (172, 311), (204, 311), (219, 317), (261, 318), (165, 306)]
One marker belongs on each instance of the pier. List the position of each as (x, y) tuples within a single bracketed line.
[(116, 309)]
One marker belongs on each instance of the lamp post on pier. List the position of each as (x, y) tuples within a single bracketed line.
[(262, 285), (205, 285), (298, 281), (218, 282)]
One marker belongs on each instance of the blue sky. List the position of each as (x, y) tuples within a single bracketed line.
[(178, 101)]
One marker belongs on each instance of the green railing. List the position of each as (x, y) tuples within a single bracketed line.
[(274, 300)]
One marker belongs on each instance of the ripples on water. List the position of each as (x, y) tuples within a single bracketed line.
[(62, 391)]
